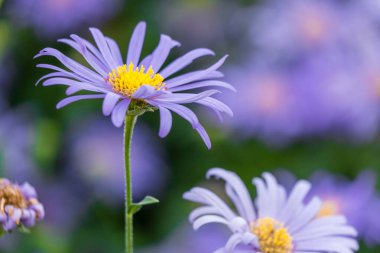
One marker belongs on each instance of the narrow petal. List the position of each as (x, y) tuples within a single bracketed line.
[(136, 44), (109, 103), (119, 112), (202, 84), (165, 121), (202, 132), (115, 51), (101, 42), (239, 190), (74, 66), (184, 61), (73, 99), (160, 54), (195, 76)]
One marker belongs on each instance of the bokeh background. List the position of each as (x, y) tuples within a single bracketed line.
[(307, 75)]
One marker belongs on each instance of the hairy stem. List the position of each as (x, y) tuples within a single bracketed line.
[(130, 121)]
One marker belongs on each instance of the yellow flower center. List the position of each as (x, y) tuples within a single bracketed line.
[(272, 235), (125, 80), (329, 208)]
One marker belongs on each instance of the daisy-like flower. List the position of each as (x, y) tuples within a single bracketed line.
[(19, 205), (276, 222), (135, 84), (336, 195)]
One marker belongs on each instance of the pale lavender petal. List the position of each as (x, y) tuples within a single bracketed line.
[(146, 61), (202, 84), (136, 44), (79, 46), (185, 98), (101, 42), (239, 189), (74, 66), (208, 219), (202, 132), (182, 111), (184, 61), (196, 76), (203, 210), (73, 99), (109, 103), (160, 54), (119, 112), (165, 121), (115, 51), (308, 213)]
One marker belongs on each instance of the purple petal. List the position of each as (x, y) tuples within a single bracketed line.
[(79, 46), (184, 98), (103, 47), (202, 132), (208, 83), (165, 122), (160, 54), (136, 44), (74, 66), (73, 99), (119, 112), (115, 51), (109, 103), (28, 191), (184, 61)]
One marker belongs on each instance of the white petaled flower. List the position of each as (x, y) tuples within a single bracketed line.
[(276, 222)]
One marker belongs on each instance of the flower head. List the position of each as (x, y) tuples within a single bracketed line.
[(135, 83), (276, 222), (336, 195), (18, 205)]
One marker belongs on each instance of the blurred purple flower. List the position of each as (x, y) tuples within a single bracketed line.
[(296, 27), (136, 84), (275, 221), (265, 104), (184, 240), (19, 205), (342, 197), (96, 155), (51, 18), (311, 77)]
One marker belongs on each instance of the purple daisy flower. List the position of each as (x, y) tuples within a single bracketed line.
[(98, 160), (275, 221), (19, 205), (61, 16), (136, 84), (336, 195)]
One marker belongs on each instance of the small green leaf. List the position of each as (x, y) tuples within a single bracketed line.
[(134, 209), (148, 200)]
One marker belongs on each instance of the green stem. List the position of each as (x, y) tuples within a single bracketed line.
[(130, 121)]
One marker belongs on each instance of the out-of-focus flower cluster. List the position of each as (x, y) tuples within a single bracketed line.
[(19, 205), (50, 18), (311, 68)]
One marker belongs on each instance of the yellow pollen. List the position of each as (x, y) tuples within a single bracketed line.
[(329, 208), (272, 235), (125, 80)]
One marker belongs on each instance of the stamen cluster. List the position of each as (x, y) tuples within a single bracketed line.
[(19, 205), (127, 80)]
